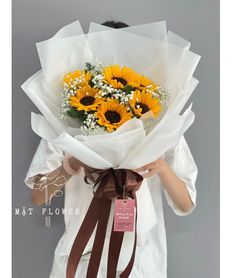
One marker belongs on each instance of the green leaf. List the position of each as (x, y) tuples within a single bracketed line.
[(91, 83), (89, 67), (74, 113), (128, 89)]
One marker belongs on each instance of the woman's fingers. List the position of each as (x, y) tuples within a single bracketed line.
[(149, 166), (149, 169), (142, 173), (150, 173), (143, 168)]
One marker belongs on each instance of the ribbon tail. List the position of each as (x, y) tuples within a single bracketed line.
[(98, 244), (127, 270), (115, 245), (83, 237)]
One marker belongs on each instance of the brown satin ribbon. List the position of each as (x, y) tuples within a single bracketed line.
[(108, 185)]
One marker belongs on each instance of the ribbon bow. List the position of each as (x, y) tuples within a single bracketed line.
[(108, 185)]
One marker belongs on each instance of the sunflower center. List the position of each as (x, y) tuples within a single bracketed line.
[(87, 100), (121, 80), (112, 116), (143, 106)]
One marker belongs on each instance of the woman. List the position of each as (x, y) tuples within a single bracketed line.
[(175, 174)]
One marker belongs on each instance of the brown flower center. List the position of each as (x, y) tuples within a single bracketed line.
[(87, 100), (121, 80), (112, 116), (143, 106)]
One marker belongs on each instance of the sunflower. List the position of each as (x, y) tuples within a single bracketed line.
[(119, 77), (85, 99), (83, 76), (112, 115), (141, 82), (144, 102)]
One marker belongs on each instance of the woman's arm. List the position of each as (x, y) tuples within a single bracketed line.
[(46, 185), (174, 186)]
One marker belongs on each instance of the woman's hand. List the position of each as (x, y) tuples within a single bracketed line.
[(155, 167), (175, 187)]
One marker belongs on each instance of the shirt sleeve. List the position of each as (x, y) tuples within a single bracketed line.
[(46, 159), (182, 163)]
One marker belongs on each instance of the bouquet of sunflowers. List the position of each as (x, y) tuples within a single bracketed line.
[(112, 98), (103, 98)]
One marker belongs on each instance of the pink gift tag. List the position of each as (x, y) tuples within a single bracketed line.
[(124, 213)]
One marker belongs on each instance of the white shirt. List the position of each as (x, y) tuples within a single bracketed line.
[(151, 251)]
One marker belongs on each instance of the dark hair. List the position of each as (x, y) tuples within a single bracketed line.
[(115, 24)]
